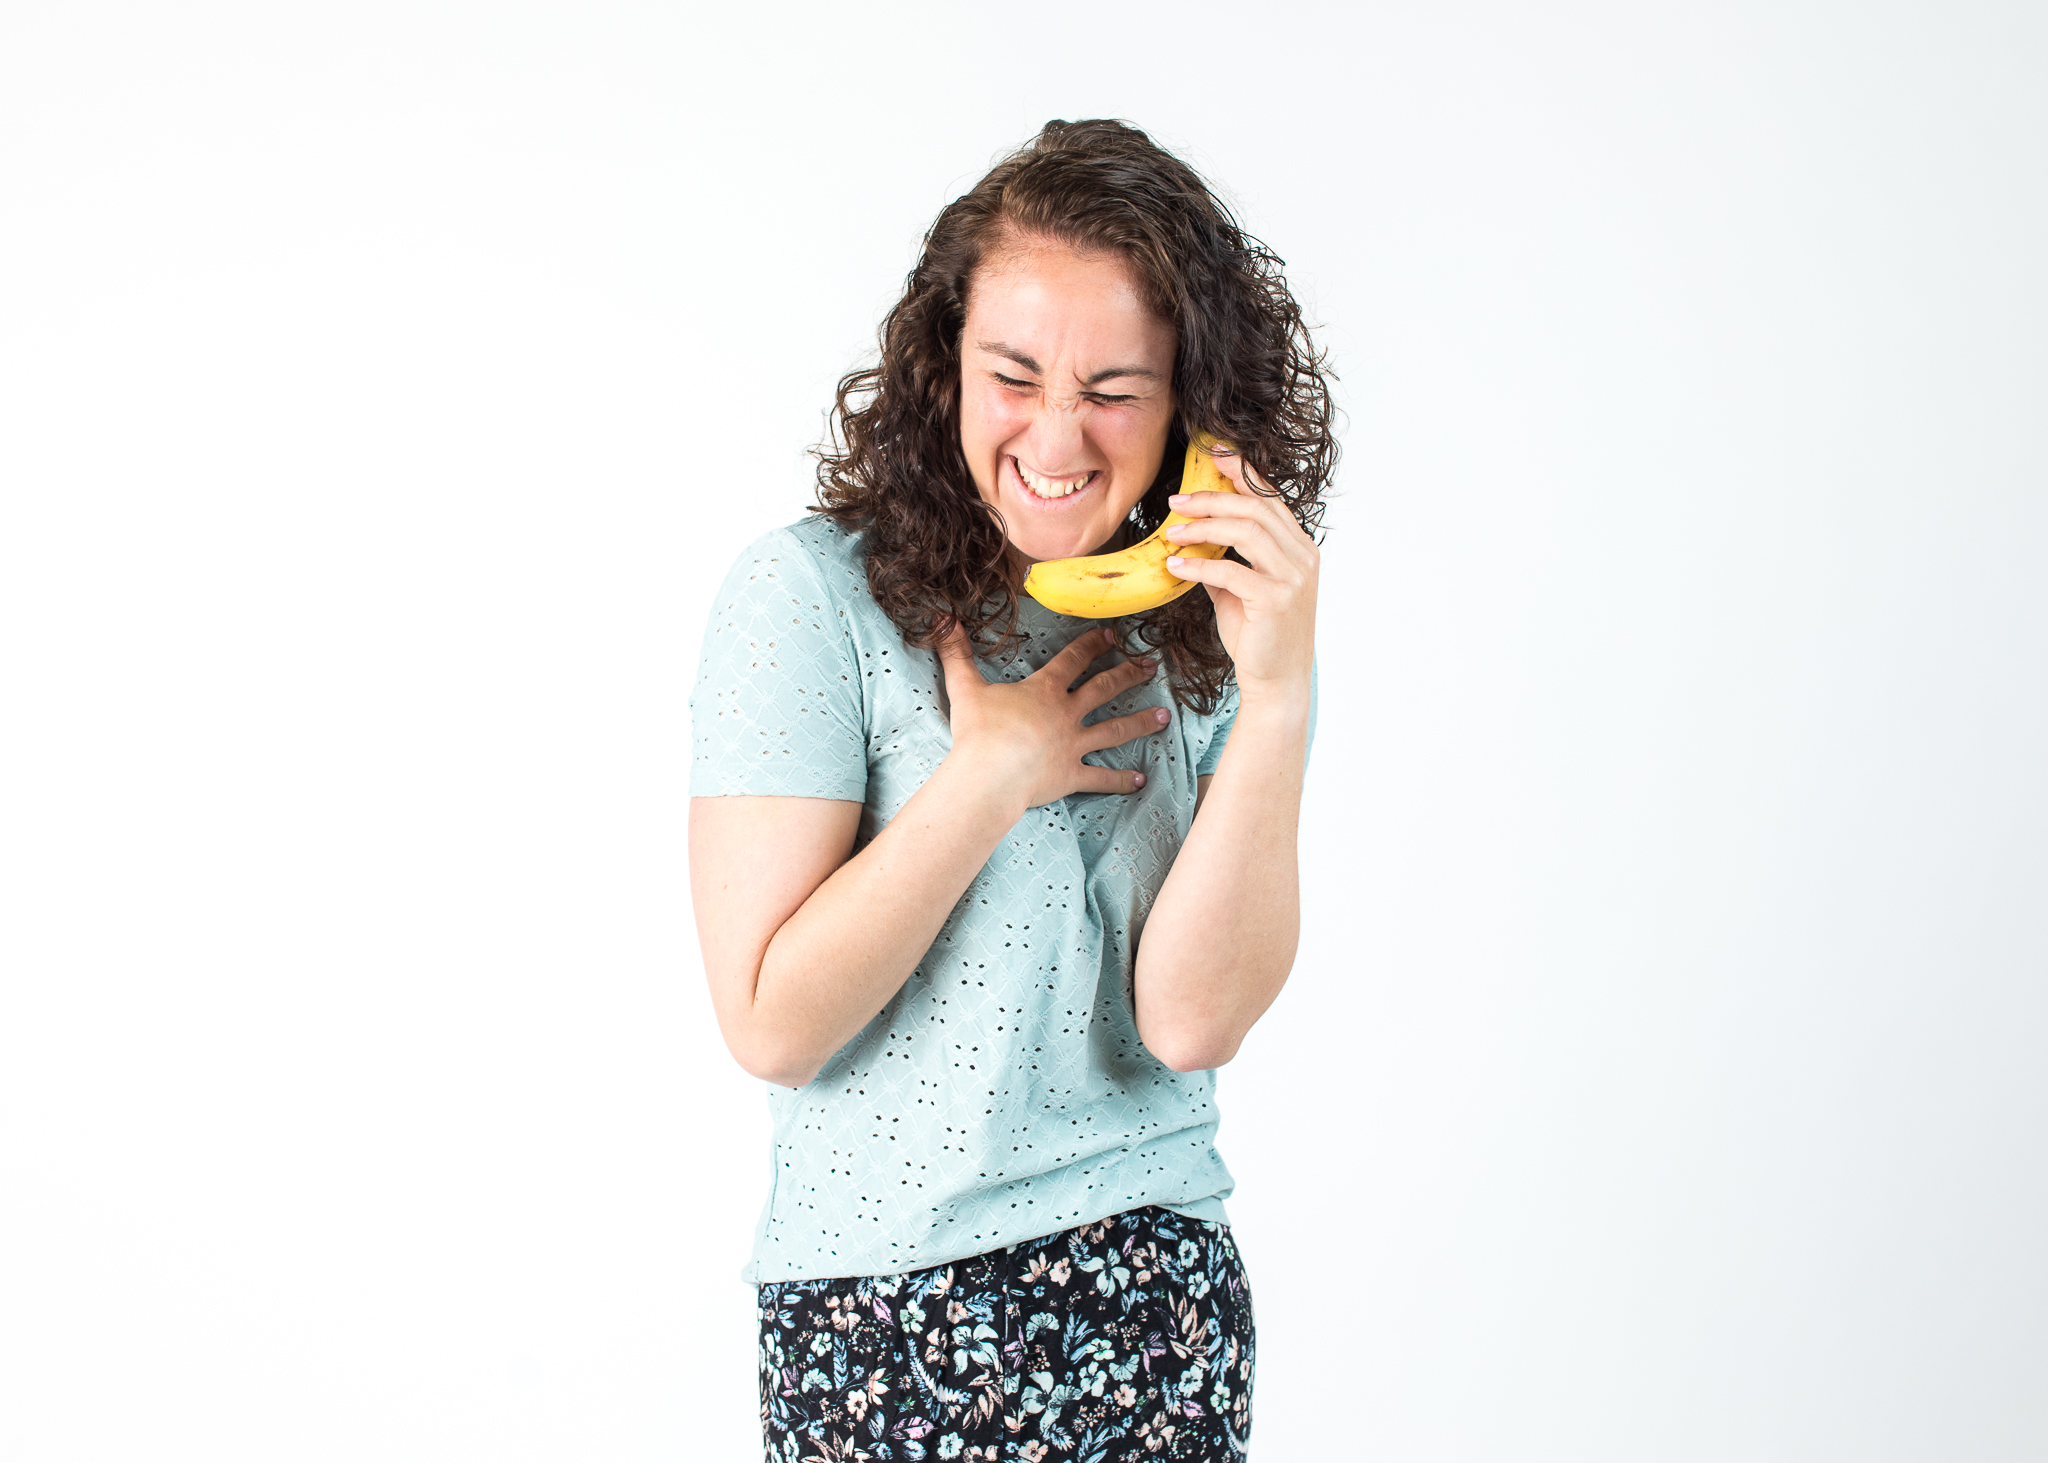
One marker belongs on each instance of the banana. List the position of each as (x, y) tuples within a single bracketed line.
[(1103, 586)]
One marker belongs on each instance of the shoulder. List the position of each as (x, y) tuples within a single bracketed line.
[(805, 582), (813, 551)]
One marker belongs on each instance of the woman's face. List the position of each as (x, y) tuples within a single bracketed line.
[(1066, 395)]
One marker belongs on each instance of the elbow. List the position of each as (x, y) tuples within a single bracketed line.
[(776, 1062), (795, 1075), (1192, 1050)]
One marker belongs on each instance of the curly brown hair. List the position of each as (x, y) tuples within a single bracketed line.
[(1244, 369)]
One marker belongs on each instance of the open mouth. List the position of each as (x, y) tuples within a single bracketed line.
[(1051, 489)]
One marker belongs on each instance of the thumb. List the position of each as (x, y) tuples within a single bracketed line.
[(956, 661), (1231, 465)]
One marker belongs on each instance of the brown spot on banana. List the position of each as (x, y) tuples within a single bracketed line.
[(1076, 586)]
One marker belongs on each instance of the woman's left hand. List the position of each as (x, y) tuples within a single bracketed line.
[(1265, 607)]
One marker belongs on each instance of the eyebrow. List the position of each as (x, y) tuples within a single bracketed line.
[(1011, 353)]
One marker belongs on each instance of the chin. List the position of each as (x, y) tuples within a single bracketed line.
[(1040, 547)]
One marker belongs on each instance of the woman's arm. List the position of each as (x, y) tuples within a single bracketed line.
[(804, 945), (1220, 939)]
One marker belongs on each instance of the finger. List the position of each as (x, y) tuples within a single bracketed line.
[(1229, 464), (1112, 683), (1248, 536), (1280, 524), (1240, 579), (1201, 505), (956, 662), (1066, 667), (1238, 505), (1120, 729), (1107, 779)]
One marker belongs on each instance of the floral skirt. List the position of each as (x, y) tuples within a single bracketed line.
[(1126, 1339)]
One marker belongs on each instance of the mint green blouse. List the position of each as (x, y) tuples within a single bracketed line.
[(1003, 1093)]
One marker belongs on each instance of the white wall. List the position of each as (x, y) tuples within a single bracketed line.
[(383, 389)]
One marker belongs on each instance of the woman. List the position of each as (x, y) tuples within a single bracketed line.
[(930, 820)]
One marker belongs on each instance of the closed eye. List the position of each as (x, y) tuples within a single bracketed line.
[(1100, 398)]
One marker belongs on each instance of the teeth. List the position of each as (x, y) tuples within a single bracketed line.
[(1048, 487)]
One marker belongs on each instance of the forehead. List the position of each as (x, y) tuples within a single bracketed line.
[(1061, 300)]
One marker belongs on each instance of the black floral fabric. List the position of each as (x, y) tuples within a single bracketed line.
[(1130, 1338)]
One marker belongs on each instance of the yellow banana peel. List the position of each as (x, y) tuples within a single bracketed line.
[(1103, 586)]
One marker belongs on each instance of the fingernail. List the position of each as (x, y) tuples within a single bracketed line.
[(1149, 662), (1137, 779), (1174, 561), (1160, 716), (1178, 498)]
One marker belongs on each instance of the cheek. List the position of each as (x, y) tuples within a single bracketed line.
[(1133, 437), (988, 418)]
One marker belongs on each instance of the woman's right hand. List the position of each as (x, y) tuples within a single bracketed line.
[(805, 939), (1026, 737)]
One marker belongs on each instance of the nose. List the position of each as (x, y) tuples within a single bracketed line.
[(1055, 441)]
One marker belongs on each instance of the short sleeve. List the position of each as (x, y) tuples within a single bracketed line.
[(777, 710), (1226, 714)]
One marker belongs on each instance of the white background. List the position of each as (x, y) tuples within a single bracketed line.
[(384, 389)]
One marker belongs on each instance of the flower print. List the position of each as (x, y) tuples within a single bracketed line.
[(861, 1398), (1156, 1433), (777, 1406), (1109, 1278), (778, 1307), (843, 1451), (1193, 1339), (909, 1368), (975, 1343)]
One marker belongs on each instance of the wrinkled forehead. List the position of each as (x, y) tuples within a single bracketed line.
[(1013, 252), (1049, 299)]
